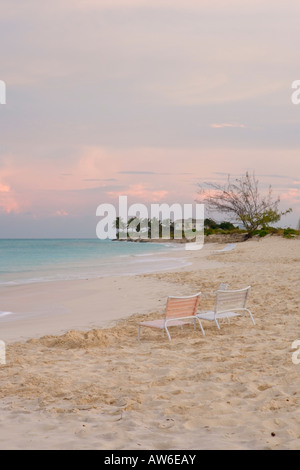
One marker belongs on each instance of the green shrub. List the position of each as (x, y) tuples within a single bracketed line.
[(263, 233), (228, 226), (290, 232)]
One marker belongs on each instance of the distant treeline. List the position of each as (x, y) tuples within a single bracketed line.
[(212, 227)]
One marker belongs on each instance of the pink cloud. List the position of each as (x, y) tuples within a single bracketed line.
[(140, 192), (292, 196), (8, 201), (222, 125), (4, 188), (174, 4), (77, 185), (61, 213)]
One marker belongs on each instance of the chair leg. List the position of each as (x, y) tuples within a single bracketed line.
[(252, 319), (200, 324), (167, 331), (139, 333)]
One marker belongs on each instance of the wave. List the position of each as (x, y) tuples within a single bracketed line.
[(4, 314), (29, 262)]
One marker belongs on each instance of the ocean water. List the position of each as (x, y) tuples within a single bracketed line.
[(31, 261)]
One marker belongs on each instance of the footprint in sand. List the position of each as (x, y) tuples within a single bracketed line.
[(167, 423)]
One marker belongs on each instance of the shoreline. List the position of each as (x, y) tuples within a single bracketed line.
[(32, 310), (213, 238), (50, 261), (97, 387), (53, 307)]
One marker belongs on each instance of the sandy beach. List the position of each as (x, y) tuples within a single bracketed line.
[(77, 378)]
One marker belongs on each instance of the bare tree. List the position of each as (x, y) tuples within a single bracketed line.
[(242, 200)]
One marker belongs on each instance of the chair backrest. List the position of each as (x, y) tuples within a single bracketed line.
[(223, 286), (179, 307), (227, 300)]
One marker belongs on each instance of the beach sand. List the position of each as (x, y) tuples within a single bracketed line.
[(77, 378)]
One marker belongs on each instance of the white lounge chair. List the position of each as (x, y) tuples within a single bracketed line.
[(228, 247), (228, 303), (179, 311), (223, 286)]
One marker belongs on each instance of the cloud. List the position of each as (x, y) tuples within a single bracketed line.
[(8, 199), (230, 125), (4, 188), (292, 196), (277, 176), (141, 192), (136, 172), (194, 5), (144, 172), (61, 213), (91, 179)]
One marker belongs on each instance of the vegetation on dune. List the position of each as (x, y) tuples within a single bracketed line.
[(244, 202)]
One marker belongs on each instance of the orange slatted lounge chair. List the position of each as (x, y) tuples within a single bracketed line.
[(179, 311)]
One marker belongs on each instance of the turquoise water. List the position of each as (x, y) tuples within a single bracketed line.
[(29, 261)]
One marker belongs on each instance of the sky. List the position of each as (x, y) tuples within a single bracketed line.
[(144, 98)]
